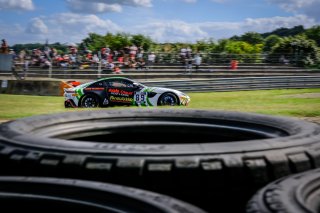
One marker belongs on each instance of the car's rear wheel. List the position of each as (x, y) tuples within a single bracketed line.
[(90, 101), (168, 99)]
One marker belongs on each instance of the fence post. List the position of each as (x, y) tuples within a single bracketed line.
[(99, 64), (50, 71)]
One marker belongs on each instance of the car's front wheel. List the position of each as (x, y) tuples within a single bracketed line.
[(168, 99), (90, 101)]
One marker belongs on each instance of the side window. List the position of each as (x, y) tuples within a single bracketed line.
[(120, 84), (129, 84), (96, 84)]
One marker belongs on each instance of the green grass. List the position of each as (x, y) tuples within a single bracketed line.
[(274, 102)]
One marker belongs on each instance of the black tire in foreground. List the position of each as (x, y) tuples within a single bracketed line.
[(40, 195), (299, 193), (199, 156)]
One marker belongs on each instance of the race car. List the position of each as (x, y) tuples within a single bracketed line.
[(119, 91)]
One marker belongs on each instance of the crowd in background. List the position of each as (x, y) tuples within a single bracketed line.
[(131, 57)]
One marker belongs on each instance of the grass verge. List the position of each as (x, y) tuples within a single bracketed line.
[(291, 102)]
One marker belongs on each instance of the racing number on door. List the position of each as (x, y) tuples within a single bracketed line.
[(140, 97)]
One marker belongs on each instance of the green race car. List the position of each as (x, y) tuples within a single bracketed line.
[(119, 91)]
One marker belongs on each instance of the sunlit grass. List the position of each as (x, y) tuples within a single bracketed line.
[(274, 102)]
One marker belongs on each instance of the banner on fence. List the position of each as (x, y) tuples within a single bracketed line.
[(5, 62)]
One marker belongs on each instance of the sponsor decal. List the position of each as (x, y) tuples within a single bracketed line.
[(121, 99), (94, 89), (105, 101), (120, 92), (4, 84)]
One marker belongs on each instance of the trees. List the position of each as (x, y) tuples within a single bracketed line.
[(298, 45), (245, 52), (299, 50), (285, 32), (314, 34), (270, 42), (95, 42), (141, 41), (252, 38)]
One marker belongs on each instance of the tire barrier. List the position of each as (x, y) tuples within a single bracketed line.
[(194, 155), (39, 195), (298, 193)]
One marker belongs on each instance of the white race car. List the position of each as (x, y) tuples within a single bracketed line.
[(116, 91)]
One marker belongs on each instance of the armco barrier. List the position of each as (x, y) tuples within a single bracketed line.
[(5, 62), (33, 87)]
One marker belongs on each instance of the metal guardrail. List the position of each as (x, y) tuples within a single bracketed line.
[(237, 84)]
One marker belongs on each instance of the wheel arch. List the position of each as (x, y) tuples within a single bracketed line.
[(90, 93), (168, 92)]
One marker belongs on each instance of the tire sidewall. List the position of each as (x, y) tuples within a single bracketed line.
[(90, 97), (173, 97)]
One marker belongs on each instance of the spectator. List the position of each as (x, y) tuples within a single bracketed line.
[(4, 47), (188, 62), (22, 55), (141, 64), (109, 68), (151, 59), (283, 60), (117, 70), (197, 61)]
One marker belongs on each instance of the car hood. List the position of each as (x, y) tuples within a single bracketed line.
[(163, 90)]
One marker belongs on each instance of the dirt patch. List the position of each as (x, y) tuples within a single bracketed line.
[(304, 95), (312, 119), (3, 121)]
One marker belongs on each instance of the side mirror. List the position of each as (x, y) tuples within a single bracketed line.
[(136, 85)]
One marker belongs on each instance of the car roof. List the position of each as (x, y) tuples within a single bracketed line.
[(116, 77)]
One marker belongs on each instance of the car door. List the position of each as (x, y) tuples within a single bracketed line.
[(120, 92)]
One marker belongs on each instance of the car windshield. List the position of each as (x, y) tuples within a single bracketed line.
[(138, 84)]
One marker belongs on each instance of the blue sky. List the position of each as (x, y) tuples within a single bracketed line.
[(25, 21)]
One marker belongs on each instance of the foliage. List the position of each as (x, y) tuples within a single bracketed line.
[(296, 44), (243, 51), (299, 50), (270, 42), (314, 34), (251, 38), (142, 41), (95, 42), (18, 47), (285, 32)]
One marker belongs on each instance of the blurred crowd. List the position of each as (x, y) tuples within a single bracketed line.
[(108, 60)]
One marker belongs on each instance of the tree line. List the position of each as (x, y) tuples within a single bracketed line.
[(299, 45)]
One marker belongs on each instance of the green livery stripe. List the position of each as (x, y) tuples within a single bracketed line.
[(79, 92), (149, 103)]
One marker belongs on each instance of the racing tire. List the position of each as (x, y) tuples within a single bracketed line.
[(90, 101), (168, 99), (40, 194), (298, 193), (194, 155)]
